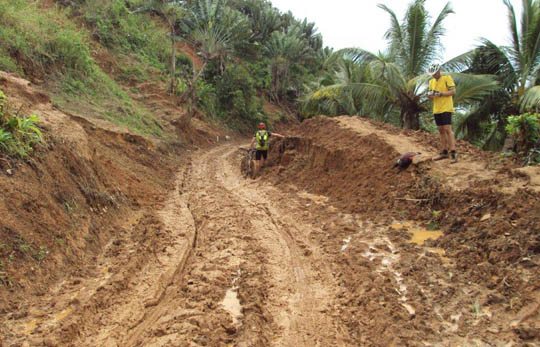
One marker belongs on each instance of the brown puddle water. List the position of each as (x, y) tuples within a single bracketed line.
[(420, 235)]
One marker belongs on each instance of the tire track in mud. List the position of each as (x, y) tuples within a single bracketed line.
[(133, 271), (246, 246), (166, 280), (302, 301), (139, 304)]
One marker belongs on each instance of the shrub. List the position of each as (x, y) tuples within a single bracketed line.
[(237, 94), (41, 40), (207, 99), (260, 74), (18, 135), (526, 128), (184, 65)]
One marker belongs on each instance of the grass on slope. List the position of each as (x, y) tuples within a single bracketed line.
[(45, 44)]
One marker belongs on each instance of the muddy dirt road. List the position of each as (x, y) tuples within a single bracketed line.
[(232, 262)]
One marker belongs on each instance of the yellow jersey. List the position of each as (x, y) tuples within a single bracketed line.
[(442, 104)]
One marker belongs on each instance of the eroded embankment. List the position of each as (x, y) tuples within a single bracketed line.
[(61, 206), (491, 237)]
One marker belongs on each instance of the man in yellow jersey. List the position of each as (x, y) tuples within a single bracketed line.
[(262, 138), (441, 90)]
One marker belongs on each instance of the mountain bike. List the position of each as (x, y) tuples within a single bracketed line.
[(533, 158), (247, 164)]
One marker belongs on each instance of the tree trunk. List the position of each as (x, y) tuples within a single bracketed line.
[(192, 96), (173, 61), (410, 120)]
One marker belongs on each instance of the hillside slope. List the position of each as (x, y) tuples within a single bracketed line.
[(60, 206), (330, 246)]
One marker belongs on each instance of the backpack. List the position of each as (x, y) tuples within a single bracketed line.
[(262, 139)]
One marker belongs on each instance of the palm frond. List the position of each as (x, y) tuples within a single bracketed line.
[(416, 21), (417, 82), (432, 42), (459, 63), (470, 88), (530, 38), (468, 126), (395, 34), (512, 21), (501, 61), (393, 77), (358, 55), (531, 99)]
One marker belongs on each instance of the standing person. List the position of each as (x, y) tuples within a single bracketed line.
[(262, 137), (441, 91)]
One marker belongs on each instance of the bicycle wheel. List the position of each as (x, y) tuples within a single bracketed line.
[(532, 159)]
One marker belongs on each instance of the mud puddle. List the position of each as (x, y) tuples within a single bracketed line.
[(231, 302)]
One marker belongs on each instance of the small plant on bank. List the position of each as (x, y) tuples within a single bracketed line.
[(18, 135), (477, 309)]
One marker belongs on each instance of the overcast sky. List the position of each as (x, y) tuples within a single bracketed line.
[(360, 23)]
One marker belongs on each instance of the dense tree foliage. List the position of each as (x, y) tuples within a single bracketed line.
[(516, 68), (281, 53), (391, 85), (248, 53)]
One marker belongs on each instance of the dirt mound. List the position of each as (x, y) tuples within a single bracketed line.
[(350, 160), (487, 209)]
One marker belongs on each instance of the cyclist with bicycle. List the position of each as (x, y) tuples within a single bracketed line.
[(261, 139)]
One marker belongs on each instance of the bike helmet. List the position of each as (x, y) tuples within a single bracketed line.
[(262, 126), (433, 68)]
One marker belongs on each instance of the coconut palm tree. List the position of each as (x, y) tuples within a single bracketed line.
[(516, 67), (524, 56), (399, 78), (334, 92)]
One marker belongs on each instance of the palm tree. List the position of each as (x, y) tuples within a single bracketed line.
[(284, 49), (517, 69), (264, 18), (212, 28), (334, 93), (399, 78)]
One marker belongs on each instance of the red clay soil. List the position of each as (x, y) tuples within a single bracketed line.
[(60, 206), (110, 238), (490, 231)]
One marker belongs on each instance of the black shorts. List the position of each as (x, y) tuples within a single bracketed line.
[(444, 118), (261, 153)]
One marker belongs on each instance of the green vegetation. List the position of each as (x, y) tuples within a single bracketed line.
[(516, 70), (526, 128), (392, 85), (170, 12), (245, 53), (128, 34), (18, 134), (46, 44), (137, 40), (36, 40)]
